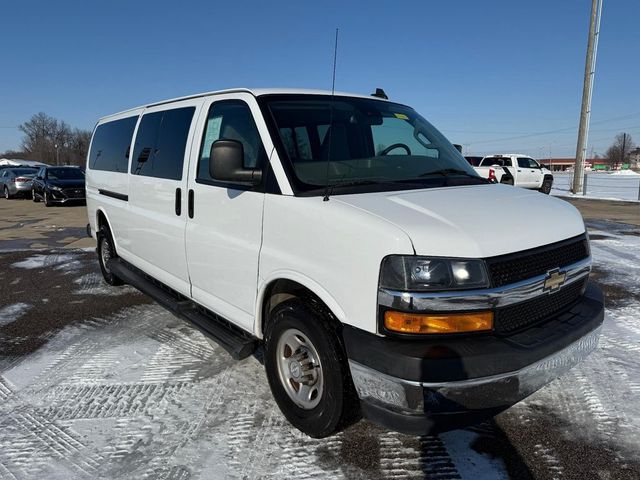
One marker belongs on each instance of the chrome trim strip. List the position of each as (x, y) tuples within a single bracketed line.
[(480, 299)]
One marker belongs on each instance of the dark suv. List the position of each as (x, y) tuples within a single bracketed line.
[(59, 185)]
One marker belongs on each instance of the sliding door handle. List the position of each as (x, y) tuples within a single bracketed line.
[(178, 201), (190, 207)]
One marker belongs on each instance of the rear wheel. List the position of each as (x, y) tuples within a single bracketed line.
[(307, 369), (106, 252), (7, 195)]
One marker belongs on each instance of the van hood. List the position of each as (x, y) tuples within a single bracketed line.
[(476, 221)]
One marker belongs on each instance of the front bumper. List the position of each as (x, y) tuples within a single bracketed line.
[(425, 386), (68, 195)]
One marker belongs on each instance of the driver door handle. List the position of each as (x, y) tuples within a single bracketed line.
[(178, 201)]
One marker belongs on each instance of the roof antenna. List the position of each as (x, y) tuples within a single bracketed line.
[(333, 89)]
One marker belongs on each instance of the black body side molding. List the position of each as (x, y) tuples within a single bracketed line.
[(234, 340), (116, 195)]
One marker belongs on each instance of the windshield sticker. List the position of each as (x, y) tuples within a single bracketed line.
[(401, 116)]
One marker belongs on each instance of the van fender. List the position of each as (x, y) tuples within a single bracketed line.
[(99, 211), (303, 280)]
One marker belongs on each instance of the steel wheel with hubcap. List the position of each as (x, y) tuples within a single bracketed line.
[(300, 369), (307, 368)]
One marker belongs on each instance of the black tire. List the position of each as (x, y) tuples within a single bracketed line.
[(547, 183), (33, 195), (106, 250), (338, 405), (47, 199), (6, 193)]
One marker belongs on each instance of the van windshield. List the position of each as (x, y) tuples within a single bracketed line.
[(348, 142)]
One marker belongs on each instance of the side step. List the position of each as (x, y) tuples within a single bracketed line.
[(234, 340)]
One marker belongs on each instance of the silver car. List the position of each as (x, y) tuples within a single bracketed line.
[(17, 181)]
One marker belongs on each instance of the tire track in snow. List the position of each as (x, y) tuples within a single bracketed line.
[(58, 442), (5, 389), (604, 422), (195, 344), (109, 401)]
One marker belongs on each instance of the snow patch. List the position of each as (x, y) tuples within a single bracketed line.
[(11, 313), (40, 261)]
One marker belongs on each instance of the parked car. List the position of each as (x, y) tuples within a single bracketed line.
[(517, 170), (16, 181), (59, 185), (347, 237)]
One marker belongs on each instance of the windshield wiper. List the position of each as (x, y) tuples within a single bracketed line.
[(445, 172), (355, 183)]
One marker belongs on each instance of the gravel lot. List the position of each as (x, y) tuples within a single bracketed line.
[(99, 382)]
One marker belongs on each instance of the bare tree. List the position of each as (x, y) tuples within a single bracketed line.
[(53, 141), (618, 152)]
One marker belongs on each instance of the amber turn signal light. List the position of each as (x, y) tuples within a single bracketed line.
[(438, 323)]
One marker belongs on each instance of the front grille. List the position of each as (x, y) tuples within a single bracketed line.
[(515, 267), (74, 192), (514, 317)]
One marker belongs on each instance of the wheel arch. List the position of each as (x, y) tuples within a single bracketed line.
[(102, 219), (286, 285)]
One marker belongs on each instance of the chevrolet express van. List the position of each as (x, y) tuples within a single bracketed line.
[(346, 241)]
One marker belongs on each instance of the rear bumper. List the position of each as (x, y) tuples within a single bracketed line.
[(436, 385)]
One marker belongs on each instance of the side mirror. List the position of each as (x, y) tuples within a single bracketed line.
[(226, 163)]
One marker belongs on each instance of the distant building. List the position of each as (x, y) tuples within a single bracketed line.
[(562, 164)]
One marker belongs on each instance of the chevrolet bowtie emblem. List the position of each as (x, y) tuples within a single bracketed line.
[(555, 279)]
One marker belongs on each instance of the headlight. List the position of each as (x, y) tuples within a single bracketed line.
[(53, 187), (413, 273)]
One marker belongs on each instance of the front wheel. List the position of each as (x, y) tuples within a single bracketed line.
[(307, 369), (33, 195), (107, 251), (546, 186), (47, 199)]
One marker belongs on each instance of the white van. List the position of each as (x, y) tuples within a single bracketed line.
[(345, 237)]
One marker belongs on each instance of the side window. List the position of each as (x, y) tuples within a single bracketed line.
[(231, 120), (111, 144), (533, 163), (160, 143), (507, 162), (523, 162)]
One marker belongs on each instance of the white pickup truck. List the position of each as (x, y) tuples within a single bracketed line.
[(517, 170)]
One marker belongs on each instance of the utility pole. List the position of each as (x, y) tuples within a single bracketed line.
[(587, 92), (624, 149)]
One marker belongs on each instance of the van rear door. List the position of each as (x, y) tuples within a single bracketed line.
[(157, 191), (224, 228)]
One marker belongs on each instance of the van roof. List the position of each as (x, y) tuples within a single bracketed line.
[(256, 92)]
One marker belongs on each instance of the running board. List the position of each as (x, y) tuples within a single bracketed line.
[(237, 342)]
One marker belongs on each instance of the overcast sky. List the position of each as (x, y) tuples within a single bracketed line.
[(496, 76)]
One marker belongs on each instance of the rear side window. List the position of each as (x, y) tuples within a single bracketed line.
[(111, 144), (231, 120), (160, 143), (523, 162)]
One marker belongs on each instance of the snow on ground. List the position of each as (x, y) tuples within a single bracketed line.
[(59, 261), (140, 394), (11, 313), (609, 186)]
